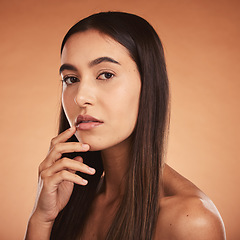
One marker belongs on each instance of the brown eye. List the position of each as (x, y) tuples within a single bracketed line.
[(70, 80), (105, 76)]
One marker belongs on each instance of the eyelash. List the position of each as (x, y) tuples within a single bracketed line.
[(75, 79), (106, 78), (65, 80)]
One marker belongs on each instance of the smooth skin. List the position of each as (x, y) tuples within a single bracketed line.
[(56, 180), (109, 91)]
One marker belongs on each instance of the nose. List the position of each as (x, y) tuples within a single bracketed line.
[(85, 95)]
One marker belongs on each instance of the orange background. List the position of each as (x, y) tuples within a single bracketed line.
[(201, 40)]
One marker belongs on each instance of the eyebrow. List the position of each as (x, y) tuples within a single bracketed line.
[(102, 59), (94, 62), (67, 66)]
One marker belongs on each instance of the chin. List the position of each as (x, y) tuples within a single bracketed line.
[(99, 143), (95, 143)]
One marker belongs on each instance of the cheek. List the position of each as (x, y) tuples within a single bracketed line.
[(68, 104), (126, 104)]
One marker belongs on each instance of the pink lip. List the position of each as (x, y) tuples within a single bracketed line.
[(86, 122)]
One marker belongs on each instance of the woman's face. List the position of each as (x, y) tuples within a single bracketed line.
[(101, 89)]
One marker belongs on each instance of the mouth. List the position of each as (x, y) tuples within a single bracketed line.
[(87, 122)]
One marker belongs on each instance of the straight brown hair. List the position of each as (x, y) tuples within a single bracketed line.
[(137, 214)]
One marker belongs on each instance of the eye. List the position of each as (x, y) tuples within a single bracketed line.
[(70, 80), (105, 76)]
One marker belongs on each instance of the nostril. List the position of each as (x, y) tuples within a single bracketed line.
[(82, 102), (85, 95)]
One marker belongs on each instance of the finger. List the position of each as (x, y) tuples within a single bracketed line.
[(64, 175), (79, 159), (67, 147), (67, 164), (57, 151), (64, 136)]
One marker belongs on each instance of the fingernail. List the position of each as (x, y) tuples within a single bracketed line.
[(85, 146), (91, 170), (84, 181)]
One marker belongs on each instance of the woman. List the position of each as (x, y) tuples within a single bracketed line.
[(104, 176)]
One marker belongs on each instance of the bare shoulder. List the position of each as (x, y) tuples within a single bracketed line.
[(186, 212)]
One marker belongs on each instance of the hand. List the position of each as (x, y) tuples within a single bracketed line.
[(57, 176)]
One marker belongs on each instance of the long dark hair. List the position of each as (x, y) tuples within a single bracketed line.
[(137, 214)]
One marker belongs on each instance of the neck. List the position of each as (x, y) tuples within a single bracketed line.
[(115, 162)]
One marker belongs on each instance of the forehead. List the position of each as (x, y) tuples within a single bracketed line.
[(91, 44)]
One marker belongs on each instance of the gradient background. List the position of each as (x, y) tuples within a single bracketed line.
[(201, 41)]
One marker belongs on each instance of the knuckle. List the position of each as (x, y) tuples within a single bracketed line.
[(57, 147), (63, 174), (43, 175), (53, 141), (41, 167), (63, 161)]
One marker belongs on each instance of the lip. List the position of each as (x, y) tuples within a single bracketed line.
[(87, 122)]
